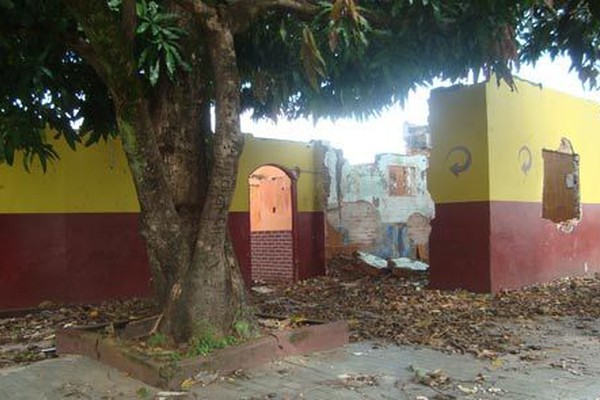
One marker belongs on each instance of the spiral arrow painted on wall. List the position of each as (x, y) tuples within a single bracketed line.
[(459, 167), (527, 159)]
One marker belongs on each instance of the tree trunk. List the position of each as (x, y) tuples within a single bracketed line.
[(211, 298), (180, 112), (195, 272)]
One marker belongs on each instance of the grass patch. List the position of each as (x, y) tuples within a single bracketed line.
[(157, 340), (206, 344)]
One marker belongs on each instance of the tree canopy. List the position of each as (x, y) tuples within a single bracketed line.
[(296, 58)]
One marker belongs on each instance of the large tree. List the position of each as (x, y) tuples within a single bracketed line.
[(150, 71)]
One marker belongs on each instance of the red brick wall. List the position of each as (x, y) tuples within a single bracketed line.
[(272, 256)]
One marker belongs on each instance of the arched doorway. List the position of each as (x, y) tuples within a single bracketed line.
[(272, 209)]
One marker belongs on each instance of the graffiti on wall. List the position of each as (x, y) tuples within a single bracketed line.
[(524, 156), (463, 159)]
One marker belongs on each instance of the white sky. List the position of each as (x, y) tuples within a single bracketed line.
[(360, 141)]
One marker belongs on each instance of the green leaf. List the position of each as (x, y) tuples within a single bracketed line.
[(143, 27), (170, 62), (114, 5), (154, 73), (71, 138), (43, 162)]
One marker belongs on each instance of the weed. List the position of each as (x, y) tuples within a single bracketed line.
[(143, 393), (157, 340), (204, 345), (175, 356), (242, 328)]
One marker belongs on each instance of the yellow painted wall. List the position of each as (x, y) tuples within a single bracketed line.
[(91, 179), (458, 118), (97, 178), (283, 153), (538, 118)]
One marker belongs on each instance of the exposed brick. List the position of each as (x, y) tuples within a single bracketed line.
[(272, 256)]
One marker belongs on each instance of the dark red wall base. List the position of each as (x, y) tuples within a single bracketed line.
[(88, 258), (459, 247), (310, 244), (491, 246), (71, 258), (527, 249)]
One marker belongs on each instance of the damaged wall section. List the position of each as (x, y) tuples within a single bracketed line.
[(512, 209), (382, 208)]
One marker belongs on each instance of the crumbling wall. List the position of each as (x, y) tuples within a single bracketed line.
[(382, 208)]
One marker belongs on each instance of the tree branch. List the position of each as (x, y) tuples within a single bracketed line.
[(129, 19), (242, 13), (257, 6), (71, 39), (198, 8)]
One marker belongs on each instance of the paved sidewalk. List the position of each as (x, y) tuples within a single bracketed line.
[(69, 377), (559, 360), (363, 372)]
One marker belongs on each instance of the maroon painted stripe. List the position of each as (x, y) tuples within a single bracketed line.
[(71, 258), (490, 246), (311, 244), (80, 258), (459, 247), (527, 249)]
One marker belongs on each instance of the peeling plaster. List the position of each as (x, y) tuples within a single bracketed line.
[(384, 229)]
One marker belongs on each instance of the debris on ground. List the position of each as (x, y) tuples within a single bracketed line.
[(28, 335), (373, 265), (262, 289), (361, 264), (372, 260), (353, 381), (414, 265), (171, 395), (401, 310), (430, 378)]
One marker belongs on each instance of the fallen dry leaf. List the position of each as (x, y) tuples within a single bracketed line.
[(402, 310), (28, 337)]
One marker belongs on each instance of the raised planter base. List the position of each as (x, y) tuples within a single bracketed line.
[(170, 375)]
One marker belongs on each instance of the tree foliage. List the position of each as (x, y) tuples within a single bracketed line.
[(335, 58), (569, 28)]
